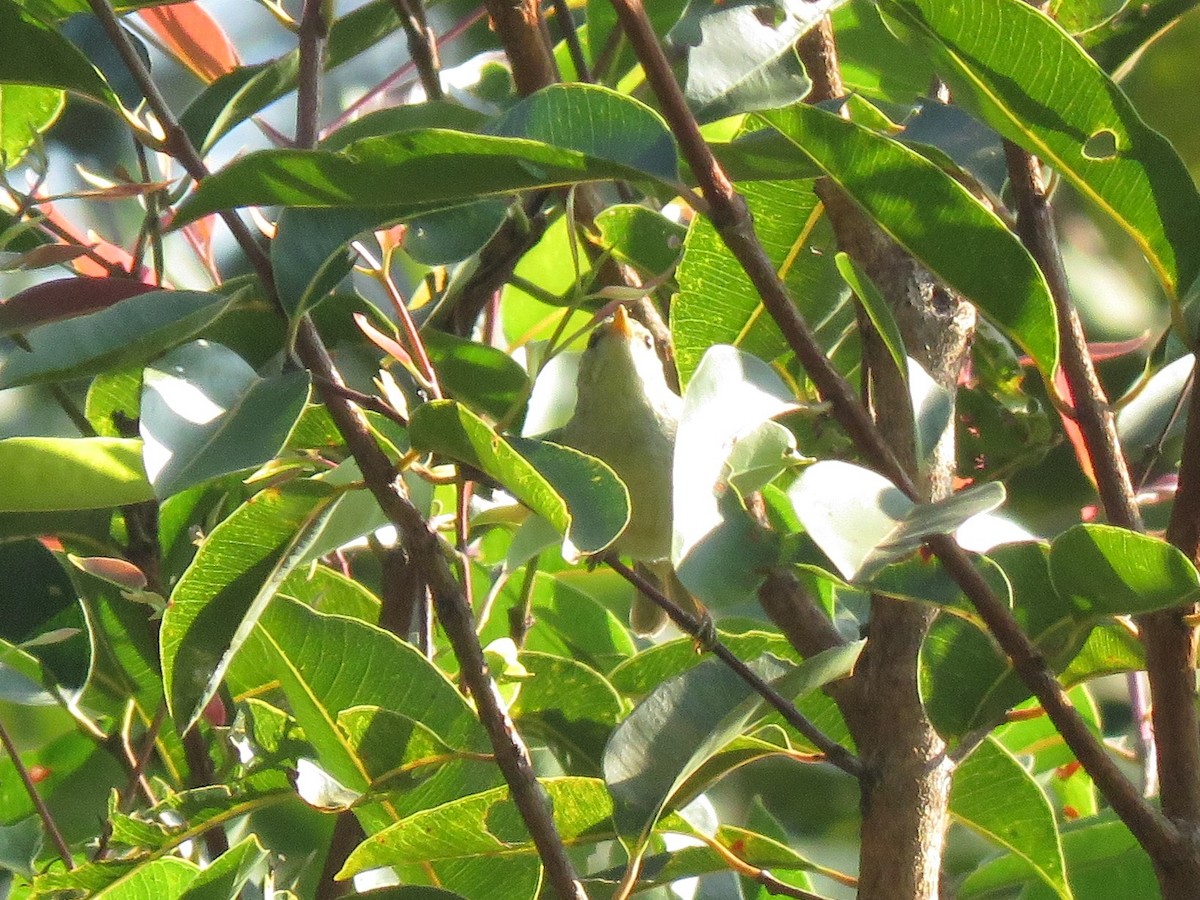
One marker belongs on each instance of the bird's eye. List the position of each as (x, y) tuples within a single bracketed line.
[(648, 341)]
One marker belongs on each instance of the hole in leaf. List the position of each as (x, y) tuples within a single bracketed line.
[(1102, 145), (769, 15)]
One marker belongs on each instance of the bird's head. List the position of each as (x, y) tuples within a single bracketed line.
[(620, 356)]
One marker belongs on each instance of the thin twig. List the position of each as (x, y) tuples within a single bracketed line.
[(136, 775), (423, 545), (312, 36), (834, 752), (566, 27), (47, 817), (1170, 649), (731, 218), (366, 401), (422, 45)]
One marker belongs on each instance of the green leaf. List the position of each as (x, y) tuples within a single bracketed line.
[(484, 378), (49, 474), (641, 237), (206, 413), (687, 719), (129, 332), (730, 394), (328, 664), (577, 494), (218, 600), (742, 56), (1110, 571), (965, 681), (954, 232), (485, 825), (994, 796), (33, 53), (569, 706), (863, 522), (1114, 42), (717, 304), (1103, 860), (228, 873), (1023, 74), (25, 112), (877, 308), (416, 172), (166, 877)]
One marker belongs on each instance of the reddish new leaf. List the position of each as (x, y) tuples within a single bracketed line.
[(64, 298), (195, 37)]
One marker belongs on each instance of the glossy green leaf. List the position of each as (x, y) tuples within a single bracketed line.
[(1110, 571), (641, 237), (994, 796), (742, 56), (1104, 862), (485, 825), (877, 308), (1024, 75), (687, 719), (577, 494), (418, 171), (558, 125), (955, 230), (46, 474), (219, 599), (717, 304), (206, 413), (328, 664), (33, 53), (228, 873), (965, 681), (132, 331), (25, 112), (862, 521), (484, 378)]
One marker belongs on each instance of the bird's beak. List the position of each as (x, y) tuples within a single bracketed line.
[(620, 323)]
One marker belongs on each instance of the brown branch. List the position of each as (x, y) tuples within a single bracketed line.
[(422, 544), (347, 834), (730, 217), (1169, 642), (43, 811), (312, 36), (518, 24), (703, 633), (422, 45), (566, 27)]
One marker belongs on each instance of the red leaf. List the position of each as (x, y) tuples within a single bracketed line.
[(384, 342), (194, 37), (120, 572), (64, 298)]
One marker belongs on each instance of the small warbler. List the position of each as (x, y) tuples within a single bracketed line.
[(626, 415)]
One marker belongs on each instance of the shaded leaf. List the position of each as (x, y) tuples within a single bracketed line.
[(576, 493), (206, 413), (128, 332), (1110, 571), (218, 600), (993, 795), (1023, 74), (885, 178)]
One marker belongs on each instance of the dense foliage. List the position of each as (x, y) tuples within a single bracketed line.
[(251, 488)]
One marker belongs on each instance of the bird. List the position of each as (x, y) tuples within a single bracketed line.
[(626, 415)]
